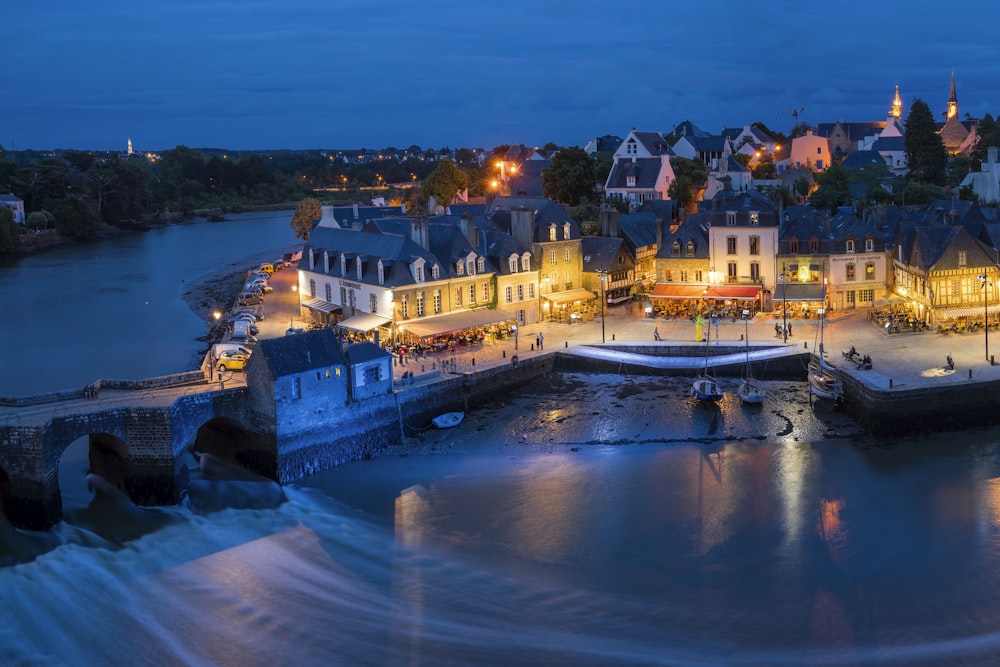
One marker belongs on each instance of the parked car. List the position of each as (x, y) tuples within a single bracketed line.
[(258, 287), (281, 265), (243, 315), (266, 267), (231, 361), (249, 299)]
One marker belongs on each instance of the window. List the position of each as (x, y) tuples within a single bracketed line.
[(509, 294), (793, 246), (312, 288), (520, 292), (343, 295), (962, 258), (684, 276), (813, 245), (754, 245), (866, 295), (360, 267), (730, 245), (730, 218), (512, 263), (459, 268), (373, 374), (630, 181), (437, 301), (458, 296), (526, 262), (675, 249), (418, 273), (552, 257), (698, 276), (755, 270), (566, 255), (851, 298), (754, 218), (869, 245), (470, 267), (690, 248), (404, 307), (296, 388), (630, 147), (486, 291), (420, 304), (669, 276), (472, 293), (954, 287), (566, 230), (531, 290), (372, 303), (850, 245), (481, 264), (329, 293), (435, 272), (731, 272), (850, 271), (869, 270), (552, 232)]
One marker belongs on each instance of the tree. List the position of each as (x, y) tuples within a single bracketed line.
[(691, 178), (9, 233), (444, 183), (569, 176), (926, 157), (306, 211), (987, 136)]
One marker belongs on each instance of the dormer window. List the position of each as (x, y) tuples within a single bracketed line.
[(481, 264), (343, 265), (793, 246), (731, 218), (459, 268), (754, 218), (526, 262), (418, 273), (360, 267), (630, 147), (630, 181), (512, 263), (435, 272), (381, 274), (869, 245), (690, 248), (850, 245), (326, 261), (470, 267), (675, 249), (552, 232), (566, 230)]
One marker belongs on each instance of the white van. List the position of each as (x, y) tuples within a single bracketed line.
[(241, 331)]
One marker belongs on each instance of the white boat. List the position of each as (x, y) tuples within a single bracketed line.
[(824, 381), (705, 388), (749, 391), (448, 419)]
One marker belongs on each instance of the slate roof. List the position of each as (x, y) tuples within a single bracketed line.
[(499, 246), (855, 131), (599, 252), (547, 212), (291, 355), (688, 129), (359, 353), (645, 170), (695, 229), (395, 250), (527, 181), (639, 229), (653, 142), (889, 144), (862, 159), (344, 215)]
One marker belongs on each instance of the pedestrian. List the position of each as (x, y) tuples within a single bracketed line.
[(656, 333), (541, 341), (777, 330), (513, 361), (789, 328), (538, 341)]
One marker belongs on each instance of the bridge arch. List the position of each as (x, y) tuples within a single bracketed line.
[(231, 441)]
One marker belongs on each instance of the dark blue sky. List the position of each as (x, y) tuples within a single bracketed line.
[(266, 74)]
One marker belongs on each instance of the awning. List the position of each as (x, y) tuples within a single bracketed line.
[(320, 305), (734, 292), (798, 292), (570, 296), (620, 299), (442, 324), (967, 311), (363, 322), (671, 291)]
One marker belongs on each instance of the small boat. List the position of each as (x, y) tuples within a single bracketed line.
[(749, 391), (705, 388), (448, 419), (823, 378)]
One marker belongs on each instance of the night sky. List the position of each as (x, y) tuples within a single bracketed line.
[(254, 74)]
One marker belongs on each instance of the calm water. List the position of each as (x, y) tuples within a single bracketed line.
[(492, 551), (113, 308)]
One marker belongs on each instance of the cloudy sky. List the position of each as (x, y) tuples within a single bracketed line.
[(270, 74)]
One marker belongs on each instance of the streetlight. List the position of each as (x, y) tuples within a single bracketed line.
[(986, 312), (604, 277), (514, 327), (784, 303)]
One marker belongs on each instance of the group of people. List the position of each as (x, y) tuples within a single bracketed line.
[(863, 361), (782, 330), (407, 377)]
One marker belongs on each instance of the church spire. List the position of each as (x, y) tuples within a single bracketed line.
[(952, 98), (897, 105)]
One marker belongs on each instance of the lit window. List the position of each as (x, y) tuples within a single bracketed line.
[(850, 271)]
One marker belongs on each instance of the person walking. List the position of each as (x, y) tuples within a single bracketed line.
[(656, 333), (541, 341)]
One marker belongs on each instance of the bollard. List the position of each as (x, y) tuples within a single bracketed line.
[(473, 361), (566, 343), (532, 347), (805, 344), (505, 354), (970, 373), (422, 369), (992, 361), (612, 336)]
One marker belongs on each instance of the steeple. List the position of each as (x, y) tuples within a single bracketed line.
[(897, 105), (952, 98)]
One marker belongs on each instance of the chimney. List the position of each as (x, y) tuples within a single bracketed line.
[(355, 210), (468, 228), (522, 225), (609, 222), (659, 233), (991, 155), (418, 232)]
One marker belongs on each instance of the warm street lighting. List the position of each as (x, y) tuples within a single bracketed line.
[(784, 304), (514, 327), (986, 285)]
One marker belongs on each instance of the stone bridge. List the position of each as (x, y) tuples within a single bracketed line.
[(140, 440)]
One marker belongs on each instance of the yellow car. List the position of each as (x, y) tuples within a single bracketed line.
[(231, 361)]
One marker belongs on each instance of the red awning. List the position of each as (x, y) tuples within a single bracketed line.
[(734, 292), (671, 291)]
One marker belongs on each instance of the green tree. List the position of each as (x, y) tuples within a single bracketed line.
[(9, 233), (926, 157), (987, 136), (306, 211), (444, 183), (691, 176), (833, 188), (569, 177)]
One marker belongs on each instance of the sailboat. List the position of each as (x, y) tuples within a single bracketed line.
[(749, 391), (705, 388), (823, 378)]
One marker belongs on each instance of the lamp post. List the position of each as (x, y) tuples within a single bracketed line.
[(986, 312), (604, 279), (784, 304)]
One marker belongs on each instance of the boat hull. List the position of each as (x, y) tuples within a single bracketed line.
[(750, 394), (706, 389), (448, 419)]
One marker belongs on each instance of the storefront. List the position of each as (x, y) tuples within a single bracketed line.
[(365, 326), (320, 311), (570, 306), (798, 300), (467, 327)]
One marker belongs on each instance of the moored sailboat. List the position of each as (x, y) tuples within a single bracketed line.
[(749, 391), (824, 380), (705, 387)]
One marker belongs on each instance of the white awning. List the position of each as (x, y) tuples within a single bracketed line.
[(967, 311), (320, 305), (364, 322), (570, 296), (442, 324)]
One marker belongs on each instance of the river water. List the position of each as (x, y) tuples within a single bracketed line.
[(611, 522), (112, 308)]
